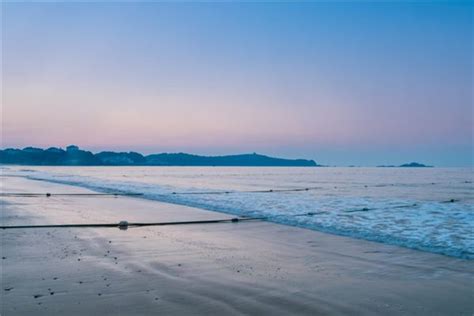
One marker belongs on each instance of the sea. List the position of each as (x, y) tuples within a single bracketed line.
[(428, 209)]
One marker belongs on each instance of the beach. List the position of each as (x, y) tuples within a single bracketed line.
[(244, 268)]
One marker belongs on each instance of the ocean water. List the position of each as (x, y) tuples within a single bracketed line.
[(429, 209)]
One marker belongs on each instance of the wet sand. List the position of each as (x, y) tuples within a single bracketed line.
[(251, 268)]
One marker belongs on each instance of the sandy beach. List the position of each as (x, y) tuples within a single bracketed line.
[(246, 268)]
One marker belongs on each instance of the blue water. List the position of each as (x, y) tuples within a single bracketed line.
[(429, 209)]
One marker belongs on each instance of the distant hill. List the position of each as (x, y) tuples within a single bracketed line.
[(407, 165), (74, 156)]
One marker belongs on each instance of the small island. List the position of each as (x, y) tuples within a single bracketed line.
[(407, 165), (74, 156)]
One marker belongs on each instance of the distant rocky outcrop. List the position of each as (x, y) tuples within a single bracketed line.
[(414, 165), (407, 165), (74, 156)]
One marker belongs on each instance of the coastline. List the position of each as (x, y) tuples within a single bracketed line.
[(232, 268)]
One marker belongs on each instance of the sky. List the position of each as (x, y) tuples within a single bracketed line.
[(343, 83)]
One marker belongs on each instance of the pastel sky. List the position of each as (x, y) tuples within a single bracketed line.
[(342, 83)]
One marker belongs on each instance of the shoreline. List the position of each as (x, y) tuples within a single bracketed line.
[(231, 268)]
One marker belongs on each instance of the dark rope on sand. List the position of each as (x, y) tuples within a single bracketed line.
[(7, 194), (364, 209), (123, 225), (117, 194), (250, 191)]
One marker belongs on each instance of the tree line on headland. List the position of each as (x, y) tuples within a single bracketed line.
[(74, 156)]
